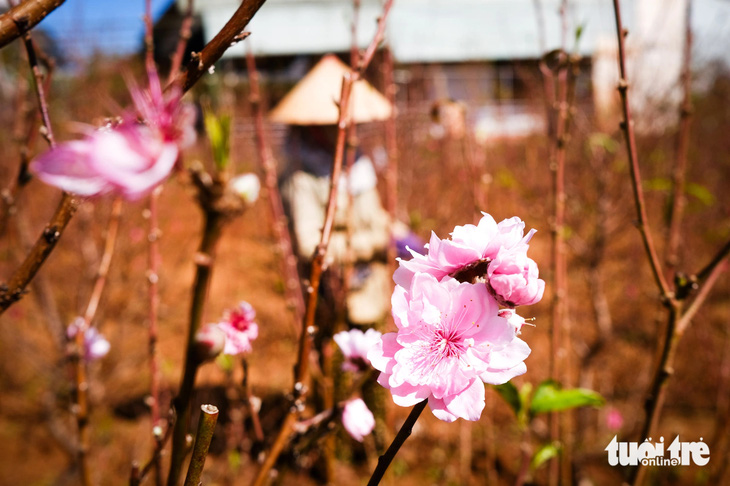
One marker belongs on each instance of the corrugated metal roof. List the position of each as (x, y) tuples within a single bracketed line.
[(418, 30)]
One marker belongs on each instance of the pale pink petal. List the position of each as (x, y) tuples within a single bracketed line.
[(357, 419), (67, 168), (469, 403), (407, 395)]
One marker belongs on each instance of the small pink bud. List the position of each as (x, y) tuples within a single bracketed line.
[(209, 342), (513, 277), (357, 419)]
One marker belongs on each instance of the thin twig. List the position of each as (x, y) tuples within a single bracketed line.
[(153, 270), (627, 126), (680, 164), (301, 369), (14, 289), (160, 443), (391, 144), (701, 296), (213, 226), (206, 427), (219, 206), (182, 42), (703, 274), (404, 432), (202, 61), (281, 229), (81, 407), (153, 278)]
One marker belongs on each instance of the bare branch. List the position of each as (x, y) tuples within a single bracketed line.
[(28, 13), (627, 126)]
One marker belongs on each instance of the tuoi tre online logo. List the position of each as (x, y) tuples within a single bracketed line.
[(653, 454)]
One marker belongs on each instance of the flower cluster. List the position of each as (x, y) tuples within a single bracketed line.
[(130, 158), (232, 335), (452, 335)]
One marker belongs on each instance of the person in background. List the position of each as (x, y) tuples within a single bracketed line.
[(358, 280)]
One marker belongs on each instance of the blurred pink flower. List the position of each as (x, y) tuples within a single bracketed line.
[(355, 345), (210, 340), (357, 419), (512, 276), (95, 345), (129, 159), (164, 112), (449, 341), (468, 245), (239, 329), (614, 420)]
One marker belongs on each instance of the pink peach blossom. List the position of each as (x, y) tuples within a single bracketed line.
[(129, 159), (450, 341), (513, 277), (355, 345), (357, 419), (239, 328), (468, 245)]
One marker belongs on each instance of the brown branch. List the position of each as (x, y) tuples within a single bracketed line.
[(219, 206), (206, 427), (657, 393), (29, 13), (182, 42), (627, 126), (160, 442), (13, 291), (213, 226), (301, 369), (391, 144), (79, 360), (200, 62), (153, 277), (404, 432), (680, 164), (701, 296), (281, 230), (703, 274)]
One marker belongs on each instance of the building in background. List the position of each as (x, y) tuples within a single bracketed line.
[(485, 52)]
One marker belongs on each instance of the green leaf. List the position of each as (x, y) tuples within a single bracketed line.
[(219, 134), (604, 141), (658, 184), (549, 397), (543, 455), (578, 34), (700, 192), (510, 394), (225, 362)]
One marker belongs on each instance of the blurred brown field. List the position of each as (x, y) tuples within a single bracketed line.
[(439, 187)]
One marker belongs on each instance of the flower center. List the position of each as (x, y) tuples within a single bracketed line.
[(446, 344)]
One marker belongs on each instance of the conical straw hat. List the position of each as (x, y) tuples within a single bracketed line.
[(313, 100)]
